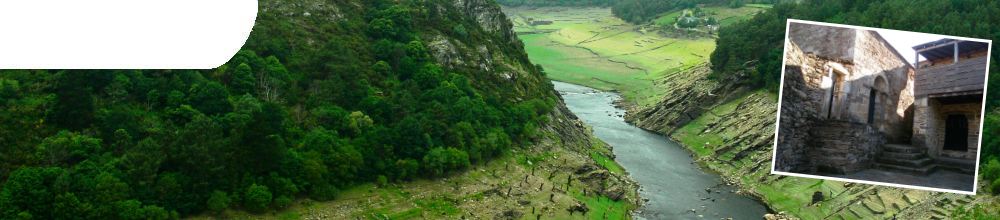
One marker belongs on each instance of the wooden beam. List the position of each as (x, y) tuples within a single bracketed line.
[(937, 46), (956, 53)]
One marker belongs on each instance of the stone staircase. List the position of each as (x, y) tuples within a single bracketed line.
[(905, 158)]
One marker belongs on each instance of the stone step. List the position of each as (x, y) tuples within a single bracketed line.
[(957, 164), (898, 148), (922, 170), (904, 156), (906, 162)]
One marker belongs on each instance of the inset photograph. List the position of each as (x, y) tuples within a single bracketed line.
[(881, 106)]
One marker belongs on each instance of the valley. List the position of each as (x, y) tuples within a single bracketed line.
[(589, 46), (664, 78)]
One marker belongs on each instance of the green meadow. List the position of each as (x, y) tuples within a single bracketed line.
[(591, 47)]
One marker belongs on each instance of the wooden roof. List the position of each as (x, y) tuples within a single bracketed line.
[(962, 77), (944, 48)]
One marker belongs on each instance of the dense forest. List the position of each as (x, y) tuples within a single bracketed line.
[(311, 105), (544, 3), (634, 11), (755, 45), (760, 38), (638, 11)]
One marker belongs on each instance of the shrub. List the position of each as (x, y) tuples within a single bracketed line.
[(218, 201), (257, 198)]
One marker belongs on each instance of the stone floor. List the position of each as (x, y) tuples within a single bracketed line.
[(942, 178)]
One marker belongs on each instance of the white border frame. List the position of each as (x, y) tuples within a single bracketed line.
[(982, 116)]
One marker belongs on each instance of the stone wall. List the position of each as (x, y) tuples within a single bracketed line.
[(844, 147), (800, 108), (830, 42), (830, 74), (874, 58), (858, 59), (923, 126)]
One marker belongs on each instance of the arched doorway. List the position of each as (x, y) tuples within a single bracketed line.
[(876, 99)]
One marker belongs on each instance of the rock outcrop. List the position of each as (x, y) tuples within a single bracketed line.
[(692, 94)]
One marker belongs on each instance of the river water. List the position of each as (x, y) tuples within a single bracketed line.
[(676, 187)]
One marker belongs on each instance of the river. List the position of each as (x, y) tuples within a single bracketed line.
[(676, 187)]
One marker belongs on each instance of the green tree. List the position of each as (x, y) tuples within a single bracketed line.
[(218, 201), (340, 159), (359, 122), (440, 161), (66, 147), (257, 198), (210, 98), (119, 88), (74, 108), (242, 80), (28, 192)]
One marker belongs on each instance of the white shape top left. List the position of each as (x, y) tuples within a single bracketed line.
[(123, 34)]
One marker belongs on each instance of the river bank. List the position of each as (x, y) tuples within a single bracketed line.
[(672, 183)]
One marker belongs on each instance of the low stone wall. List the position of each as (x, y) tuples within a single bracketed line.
[(842, 147)]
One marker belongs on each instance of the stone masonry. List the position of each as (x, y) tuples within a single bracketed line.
[(851, 102), (846, 93)]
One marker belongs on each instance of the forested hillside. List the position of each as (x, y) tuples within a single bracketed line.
[(324, 95), (633, 11), (760, 38), (544, 3)]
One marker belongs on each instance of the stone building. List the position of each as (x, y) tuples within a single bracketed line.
[(949, 95), (851, 102)]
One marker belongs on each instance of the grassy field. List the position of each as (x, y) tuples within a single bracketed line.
[(579, 66), (668, 18), (589, 46), (725, 15)]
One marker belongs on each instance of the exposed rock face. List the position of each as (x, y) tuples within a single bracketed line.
[(302, 8), (509, 215), (579, 207), (499, 56), (605, 183), (491, 18), (694, 93), (444, 51)]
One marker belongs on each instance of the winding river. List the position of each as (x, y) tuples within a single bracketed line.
[(675, 186)]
